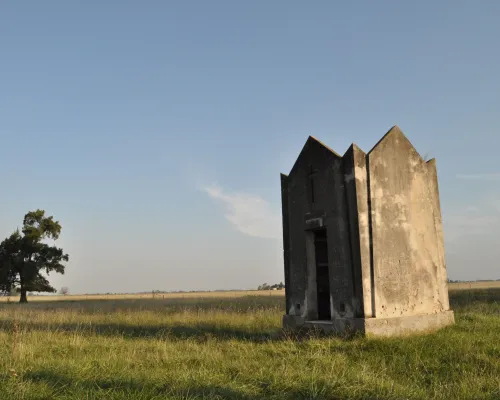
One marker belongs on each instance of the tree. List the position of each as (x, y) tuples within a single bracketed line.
[(25, 255), (64, 290), (8, 249)]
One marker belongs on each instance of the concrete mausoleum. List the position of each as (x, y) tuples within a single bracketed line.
[(363, 240)]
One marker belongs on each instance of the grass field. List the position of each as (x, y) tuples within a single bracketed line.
[(231, 346)]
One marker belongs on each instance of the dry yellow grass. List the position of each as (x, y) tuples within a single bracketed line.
[(235, 293), (186, 295), (474, 285)]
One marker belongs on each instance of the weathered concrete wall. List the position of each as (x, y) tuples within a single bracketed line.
[(409, 275), (442, 276), (328, 210), (387, 269), (356, 181), (339, 247)]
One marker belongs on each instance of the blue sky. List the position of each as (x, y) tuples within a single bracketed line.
[(155, 131)]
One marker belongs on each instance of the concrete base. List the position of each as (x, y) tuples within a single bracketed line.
[(376, 326)]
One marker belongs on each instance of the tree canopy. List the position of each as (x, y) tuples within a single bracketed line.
[(25, 255)]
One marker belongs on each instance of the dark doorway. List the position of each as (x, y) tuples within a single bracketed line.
[(322, 275)]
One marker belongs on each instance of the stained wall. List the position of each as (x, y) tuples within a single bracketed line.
[(382, 213), (409, 273)]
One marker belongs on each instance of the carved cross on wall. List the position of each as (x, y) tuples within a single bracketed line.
[(312, 173)]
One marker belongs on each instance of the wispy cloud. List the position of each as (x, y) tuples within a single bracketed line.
[(250, 214), (480, 177)]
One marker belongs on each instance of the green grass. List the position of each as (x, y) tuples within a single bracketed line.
[(233, 348)]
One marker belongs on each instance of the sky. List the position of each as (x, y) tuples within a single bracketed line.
[(155, 132)]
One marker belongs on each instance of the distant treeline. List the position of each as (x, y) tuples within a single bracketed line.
[(276, 286)]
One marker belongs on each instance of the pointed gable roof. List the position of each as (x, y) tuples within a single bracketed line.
[(312, 142), (394, 134), (312, 138)]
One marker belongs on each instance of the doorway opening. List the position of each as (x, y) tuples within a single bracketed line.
[(322, 275)]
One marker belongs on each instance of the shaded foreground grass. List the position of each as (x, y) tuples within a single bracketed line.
[(209, 348)]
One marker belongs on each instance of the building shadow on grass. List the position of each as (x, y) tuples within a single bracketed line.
[(467, 297), (204, 331), (200, 332), (128, 388), (131, 388)]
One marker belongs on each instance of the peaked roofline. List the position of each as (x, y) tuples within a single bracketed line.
[(309, 140), (324, 145), (393, 131), (353, 147)]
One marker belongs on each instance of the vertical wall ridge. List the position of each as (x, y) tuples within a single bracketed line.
[(286, 238), (370, 236), (438, 227), (357, 193), (353, 232)]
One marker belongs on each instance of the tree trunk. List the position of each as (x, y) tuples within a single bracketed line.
[(24, 298)]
